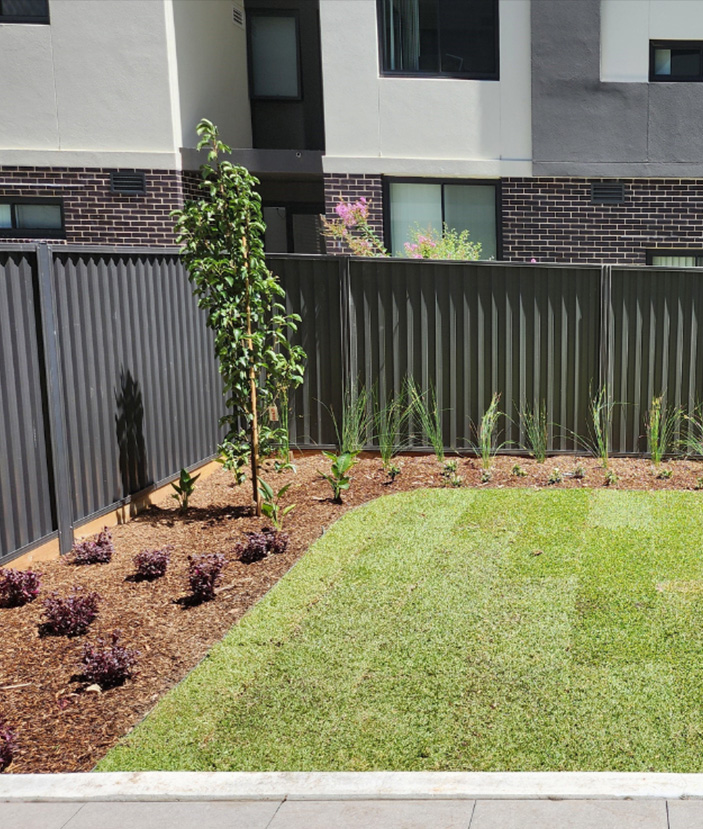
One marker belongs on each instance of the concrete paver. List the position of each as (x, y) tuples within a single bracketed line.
[(37, 815), (685, 814), (171, 815), (374, 814), (574, 814)]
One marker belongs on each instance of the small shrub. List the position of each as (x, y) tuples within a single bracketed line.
[(487, 432), (392, 471), (664, 474), (204, 573), (338, 478), (555, 477), (8, 745), (184, 489), (18, 587), (579, 472), (424, 408), (70, 616), (518, 471), (699, 483), (277, 541), (93, 551), (450, 474), (486, 476), (660, 426), (152, 564), (610, 477), (259, 545), (108, 664), (270, 503), (536, 427)]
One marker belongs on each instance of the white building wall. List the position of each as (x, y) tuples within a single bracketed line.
[(627, 26), (422, 126)]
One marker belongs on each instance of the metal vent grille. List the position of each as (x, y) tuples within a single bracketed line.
[(238, 16), (128, 183), (607, 192)]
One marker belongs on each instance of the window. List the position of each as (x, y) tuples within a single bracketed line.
[(675, 60), (30, 218), (461, 206), (274, 60), (450, 38), (675, 258), (24, 11)]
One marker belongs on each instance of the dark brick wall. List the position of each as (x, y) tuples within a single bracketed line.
[(553, 220), (95, 216), (351, 187)]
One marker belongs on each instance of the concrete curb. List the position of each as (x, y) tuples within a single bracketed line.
[(180, 786)]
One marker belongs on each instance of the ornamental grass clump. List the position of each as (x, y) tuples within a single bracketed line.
[(108, 663), (70, 616), (8, 745), (18, 587), (93, 551), (152, 564), (204, 573)]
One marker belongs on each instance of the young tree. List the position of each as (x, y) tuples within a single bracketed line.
[(223, 250)]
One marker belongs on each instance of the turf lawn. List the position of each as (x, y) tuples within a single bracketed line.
[(462, 630)]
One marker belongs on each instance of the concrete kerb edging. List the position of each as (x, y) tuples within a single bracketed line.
[(180, 786)]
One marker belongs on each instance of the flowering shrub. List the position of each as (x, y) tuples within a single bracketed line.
[(449, 244), (259, 545), (152, 564), (108, 663), (97, 551), (203, 575), (8, 745), (70, 616), (352, 228), (18, 587)]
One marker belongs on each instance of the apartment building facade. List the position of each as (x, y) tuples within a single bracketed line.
[(555, 130)]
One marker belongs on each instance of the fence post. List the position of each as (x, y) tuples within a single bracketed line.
[(57, 425), (348, 332), (605, 361)]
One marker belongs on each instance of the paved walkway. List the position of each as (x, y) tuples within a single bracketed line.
[(387, 800)]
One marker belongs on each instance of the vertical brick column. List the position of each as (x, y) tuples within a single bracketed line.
[(350, 187)]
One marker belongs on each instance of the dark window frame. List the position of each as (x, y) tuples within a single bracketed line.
[(674, 44), (18, 18), (650, 253), (479, 182), (295, 14), (299, 209), (395, 73), (16, 232)]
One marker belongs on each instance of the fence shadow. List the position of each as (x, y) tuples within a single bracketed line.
[(129, 428)]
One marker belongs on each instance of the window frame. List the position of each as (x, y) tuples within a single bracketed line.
[(42, 20), (395, 73), (479, 182), (295, 14), (674, 44), (650, 253), (15, 232)]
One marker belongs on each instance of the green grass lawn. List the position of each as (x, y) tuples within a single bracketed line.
[(424, 632)]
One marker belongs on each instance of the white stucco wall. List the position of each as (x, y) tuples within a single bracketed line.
[(91, 88), (210, 54), (422, 126), (627, 26)]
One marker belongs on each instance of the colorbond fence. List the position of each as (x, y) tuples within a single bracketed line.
[(108, 384)]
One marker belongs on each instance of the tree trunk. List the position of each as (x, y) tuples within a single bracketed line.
[(252, 394)]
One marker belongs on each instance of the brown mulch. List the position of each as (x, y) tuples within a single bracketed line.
[(61, 726)]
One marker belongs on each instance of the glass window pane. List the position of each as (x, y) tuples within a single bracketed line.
[(675, 261), (411, 36), (413, 205), (467, 36), (473, 208), (662, 62), (685, 63), (274, 56), (276, 236), (5, 215), (24, 8), (307, 233), (38, 216)]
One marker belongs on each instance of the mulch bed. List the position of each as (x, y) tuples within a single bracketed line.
[(61, 726)]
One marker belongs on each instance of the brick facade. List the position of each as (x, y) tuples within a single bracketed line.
[(553, 220), (95, 216), (351, 187)]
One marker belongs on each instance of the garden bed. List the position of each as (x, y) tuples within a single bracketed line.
[(61, 726)]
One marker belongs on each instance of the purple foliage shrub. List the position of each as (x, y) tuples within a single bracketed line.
[(8, 745), (108, 663), (259, 545), (152, 564), (70, 616), (94, 551), (203, 575), (18, 587)]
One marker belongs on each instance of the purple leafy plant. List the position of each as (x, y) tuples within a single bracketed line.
[(152, 564), (18, 587), (70, 616), (8, 745), (259, 545), (94, 551), (108, 663), (204, 573)]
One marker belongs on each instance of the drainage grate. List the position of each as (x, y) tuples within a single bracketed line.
[(128, 183), (607, 192)]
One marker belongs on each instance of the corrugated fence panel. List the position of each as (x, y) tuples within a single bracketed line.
[(654, 346), (143, 394), (26, 504), (313, 287), (469, 330)]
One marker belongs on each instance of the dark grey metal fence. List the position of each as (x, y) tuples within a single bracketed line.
[(108, 382)]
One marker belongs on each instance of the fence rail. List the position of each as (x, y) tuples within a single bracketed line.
[(108, 383)]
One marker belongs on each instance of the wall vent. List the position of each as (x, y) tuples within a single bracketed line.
[(128, 183), (607, 192), (238, 16)]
